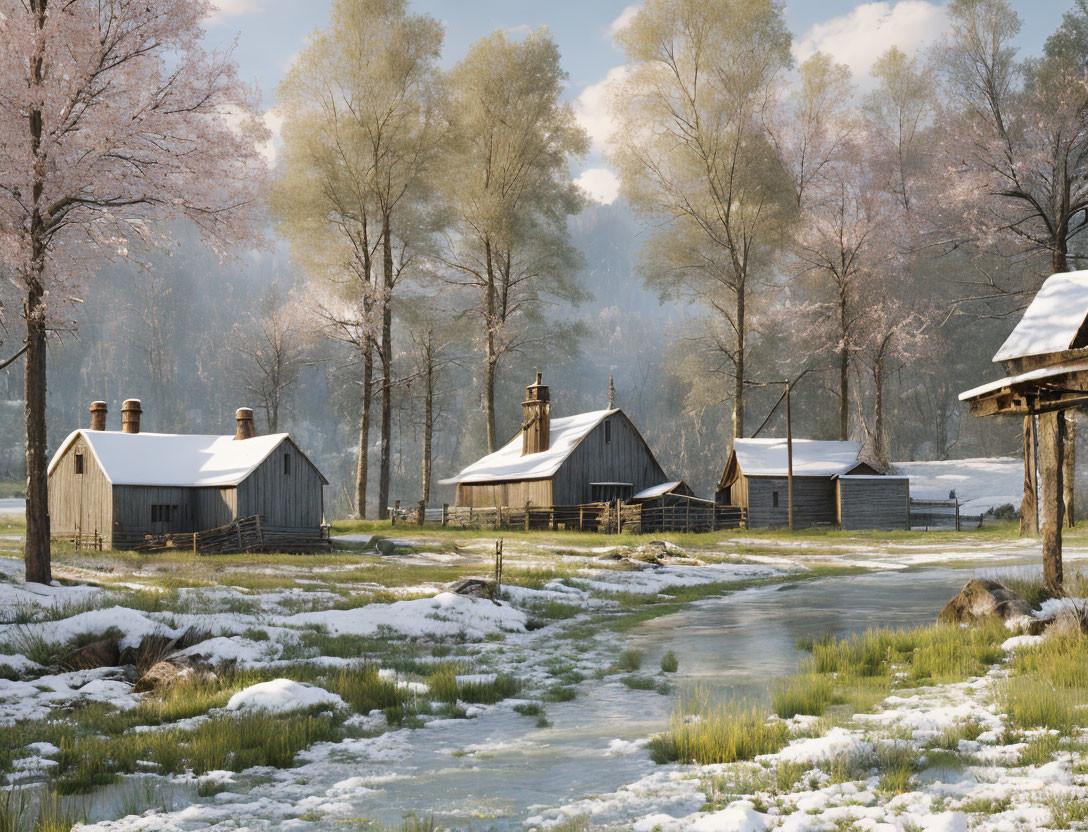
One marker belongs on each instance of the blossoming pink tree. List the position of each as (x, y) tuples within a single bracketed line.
[(114, 120)]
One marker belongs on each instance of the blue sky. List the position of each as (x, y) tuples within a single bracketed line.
[(270, 32)]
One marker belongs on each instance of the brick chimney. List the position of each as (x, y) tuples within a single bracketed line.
[(98, 415), (244, 415), (536, 418), (130, 416)]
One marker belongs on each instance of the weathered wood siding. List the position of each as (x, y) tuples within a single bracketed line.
[(881, 503), (626, 458), (286, 500), (80, 503), (814, 501), (132, 512), (214, 507), (516, 493)]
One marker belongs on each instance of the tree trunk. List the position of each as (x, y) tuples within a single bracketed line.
[(1051, 451), (1069, 467), (362, 468), (1029, 522), (491, 358), (738, 392), (387, 371), (428, 429), (844, 394), (36, 553)]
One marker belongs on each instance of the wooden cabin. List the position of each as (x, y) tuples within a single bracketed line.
[(588, 458), (832, 486), (118, 487)]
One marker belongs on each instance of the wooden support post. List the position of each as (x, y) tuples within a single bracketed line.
[(445, 514), (526, 515), (1051, 450), (1069, 467), (422, 512), (957, 515), (581, 510), (498, 570), (1029, 526)]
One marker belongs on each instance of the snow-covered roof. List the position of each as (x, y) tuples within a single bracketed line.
[(173, 459), (811, 457), (656, 490), (1031, 375), (507, 463), (1052, 320)]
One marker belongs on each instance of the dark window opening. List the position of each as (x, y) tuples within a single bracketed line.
[(163, 513), (608, 433), (286, 464), (79, 463), (774, 499)]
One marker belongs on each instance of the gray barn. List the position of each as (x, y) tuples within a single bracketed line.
[(831, 486), (121, 486), (588, 458)]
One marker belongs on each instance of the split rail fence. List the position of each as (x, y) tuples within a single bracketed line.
[(603, 518), (247, 534)]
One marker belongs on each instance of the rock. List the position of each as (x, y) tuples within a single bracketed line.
[(162, 675), (473, 587), (1026, 624), (1068, 623), (982, 598), (385, 546), (104, 653)]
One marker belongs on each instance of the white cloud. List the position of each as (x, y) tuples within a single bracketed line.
[(518, 32), (234, 8), (624, 20), (600, 184), (270, 149), (861, 36), (593, 111)]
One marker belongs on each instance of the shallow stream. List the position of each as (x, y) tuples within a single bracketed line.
[(498, 769)]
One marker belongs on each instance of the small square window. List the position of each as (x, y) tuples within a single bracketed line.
[(286, 464), (79, 463), (774, 499)]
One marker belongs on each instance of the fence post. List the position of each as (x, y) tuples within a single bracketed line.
[(526, 515), (445, 514), (581, 511), (422, 512), (498, 517), (957, 515)]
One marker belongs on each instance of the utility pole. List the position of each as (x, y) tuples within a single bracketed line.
[(789, 455)]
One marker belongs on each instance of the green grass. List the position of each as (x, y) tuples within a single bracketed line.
[(720, 733), (669, 663), (1065, 810), (444, 687), (560, 693), (629, 661), (47, 813)]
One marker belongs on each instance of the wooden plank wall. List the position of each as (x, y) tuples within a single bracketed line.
[(625, 459), (80, 503), (517, 493), (294, 500), (881, 503), (214, 507), (132, 508), (814, 502)]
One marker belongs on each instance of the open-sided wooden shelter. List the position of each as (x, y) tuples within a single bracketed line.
[(588, 458), (118, 487), (832, 486), (1045, 359)]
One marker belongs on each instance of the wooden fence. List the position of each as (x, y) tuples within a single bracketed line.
[(602, 518), (940, 514), (247, 534)]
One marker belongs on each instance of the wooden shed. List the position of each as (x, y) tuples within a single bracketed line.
[(591, 457), (756, 479), (118, 487), (878, 502)]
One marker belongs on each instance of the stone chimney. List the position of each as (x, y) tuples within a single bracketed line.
[(98, 415), (536, 418), (130, 416), (244, 415)]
